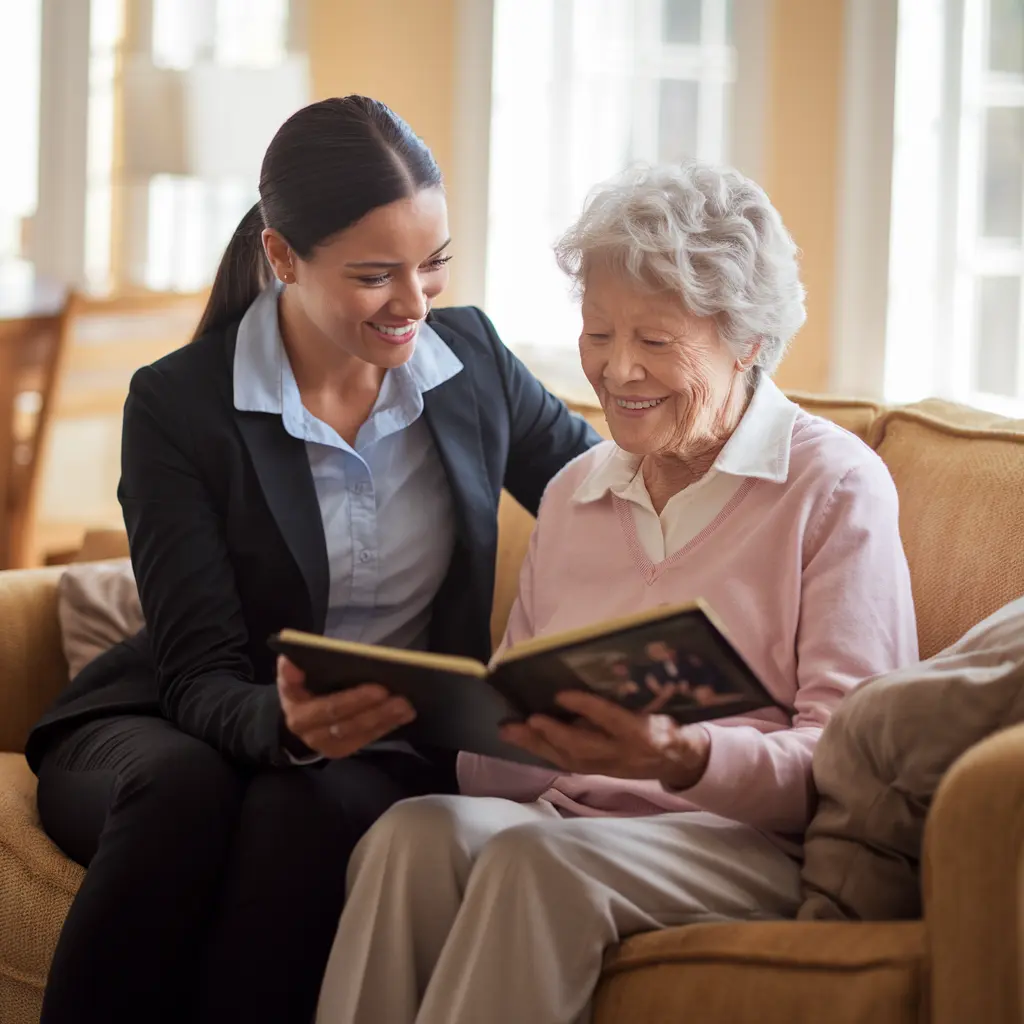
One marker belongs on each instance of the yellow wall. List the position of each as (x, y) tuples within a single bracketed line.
[(401, 52), (802, 165), (404, 53)]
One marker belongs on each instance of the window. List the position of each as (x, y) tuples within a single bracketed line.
[(191, 216), (989, 272), (106, 36), (957, 258), (19, 121), (581, 89), (236, 33)]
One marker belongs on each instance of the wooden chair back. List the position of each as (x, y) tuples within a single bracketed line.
[(31, 354), (107, 341)]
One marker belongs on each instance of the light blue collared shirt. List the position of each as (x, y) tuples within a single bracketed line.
[(386, 504)]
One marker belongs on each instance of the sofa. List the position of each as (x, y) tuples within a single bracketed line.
[(960, 476)]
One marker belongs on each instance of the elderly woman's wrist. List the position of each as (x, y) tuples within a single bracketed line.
[(687, 759)]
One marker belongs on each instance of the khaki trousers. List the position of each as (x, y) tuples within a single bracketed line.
[(477, 910)]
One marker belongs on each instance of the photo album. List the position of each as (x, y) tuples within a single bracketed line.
[(673, 661)]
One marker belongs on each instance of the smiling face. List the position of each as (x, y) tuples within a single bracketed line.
[(662, 375), (367, 289)]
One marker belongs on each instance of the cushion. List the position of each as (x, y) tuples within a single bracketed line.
[(98, 606), (767, 972), (853, 414), (881, 758), (961, 512), (37, 884)]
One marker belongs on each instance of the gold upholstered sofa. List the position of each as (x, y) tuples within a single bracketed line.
[(960, 475)]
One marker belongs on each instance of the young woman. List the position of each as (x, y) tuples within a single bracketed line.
[(326, 455)]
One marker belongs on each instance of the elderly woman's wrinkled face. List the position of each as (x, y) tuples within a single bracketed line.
[(663, 376)]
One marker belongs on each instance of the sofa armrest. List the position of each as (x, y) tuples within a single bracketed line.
[(32, 666), (973, 856)]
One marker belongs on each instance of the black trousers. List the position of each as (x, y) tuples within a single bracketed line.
[(212, 893)]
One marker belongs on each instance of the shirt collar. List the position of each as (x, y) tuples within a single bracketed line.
[(758, 449), (759, 446), (262, 375)]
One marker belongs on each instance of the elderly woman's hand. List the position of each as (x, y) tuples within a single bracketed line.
[(616, 742), (342, 723)]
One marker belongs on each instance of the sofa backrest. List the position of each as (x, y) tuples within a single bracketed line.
[(960, 477), (959, 473), (32, 666)]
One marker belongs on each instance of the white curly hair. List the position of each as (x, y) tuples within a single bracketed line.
[(707, 233)]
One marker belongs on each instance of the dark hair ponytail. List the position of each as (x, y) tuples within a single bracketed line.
[(328, 166), (243, 273)]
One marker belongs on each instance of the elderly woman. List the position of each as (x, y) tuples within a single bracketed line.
[(496, 905)]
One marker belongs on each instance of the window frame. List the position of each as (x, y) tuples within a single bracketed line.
[(972, 255), (931, 335)]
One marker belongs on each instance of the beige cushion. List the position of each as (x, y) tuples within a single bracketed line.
[(961, 512), (772, 973), (98, 606), (881, 759), (37, 884)]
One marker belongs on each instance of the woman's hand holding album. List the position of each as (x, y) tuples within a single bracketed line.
[(341, 723), (610, 740)]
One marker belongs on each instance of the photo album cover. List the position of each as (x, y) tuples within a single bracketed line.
[(674, 661)]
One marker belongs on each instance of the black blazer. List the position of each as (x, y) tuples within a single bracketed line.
[(228, 545)]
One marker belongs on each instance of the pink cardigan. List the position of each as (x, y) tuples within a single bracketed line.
[(809, 578)]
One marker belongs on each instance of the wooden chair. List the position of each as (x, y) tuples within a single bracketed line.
[(107, 340), (31, 352)]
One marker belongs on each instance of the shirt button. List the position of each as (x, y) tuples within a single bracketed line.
[(366, 556)]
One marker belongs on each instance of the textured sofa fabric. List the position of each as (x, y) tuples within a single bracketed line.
[(32, 666), (960, 475), (852, 414), (961, 493), (768, 973), (37, 884)]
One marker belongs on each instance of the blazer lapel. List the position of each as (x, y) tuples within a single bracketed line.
[(451, 413), (287, 482), (463, 607)]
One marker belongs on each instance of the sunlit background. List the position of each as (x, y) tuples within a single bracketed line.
[(890, 135)]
